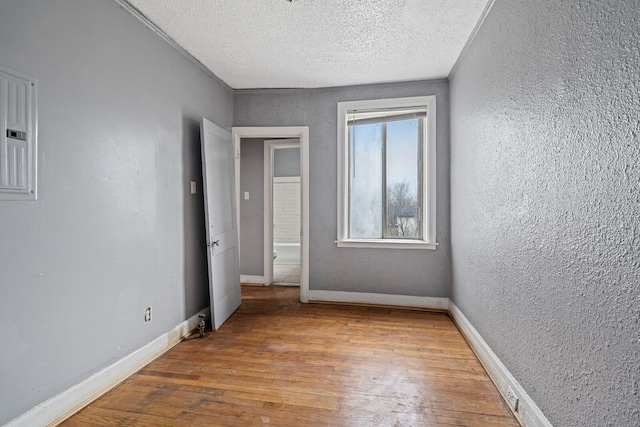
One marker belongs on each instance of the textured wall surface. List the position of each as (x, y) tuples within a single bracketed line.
[(286, 161), (252, 210), (545, 201), (385, 271), (114, 229)]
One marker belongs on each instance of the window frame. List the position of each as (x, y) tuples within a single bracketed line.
[(428, 196)]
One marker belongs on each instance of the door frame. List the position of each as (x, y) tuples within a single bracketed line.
[(279, 132)]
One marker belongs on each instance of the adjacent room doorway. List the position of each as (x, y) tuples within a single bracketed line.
[(282, 201), (272, 133)]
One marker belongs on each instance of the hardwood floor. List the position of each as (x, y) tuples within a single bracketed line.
[(279, 362)]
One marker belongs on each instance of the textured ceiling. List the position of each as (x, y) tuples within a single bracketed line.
[(318, 43)]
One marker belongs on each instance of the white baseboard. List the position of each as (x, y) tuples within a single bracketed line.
[(528, 412), (252, 279), (380, 299), (65, 404)]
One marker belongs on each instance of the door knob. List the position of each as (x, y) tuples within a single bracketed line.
[(216, 243)]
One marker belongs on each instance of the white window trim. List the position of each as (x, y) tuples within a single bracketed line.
[(429, 187)]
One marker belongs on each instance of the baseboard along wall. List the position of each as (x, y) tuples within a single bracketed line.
[(259, 280), (526, 410), (429, 303), (65, 404), (62, 406)]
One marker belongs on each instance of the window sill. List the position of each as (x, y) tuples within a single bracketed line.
[(386, 244)]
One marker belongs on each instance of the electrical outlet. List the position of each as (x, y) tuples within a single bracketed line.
[(246, 195), (512, 398), (147, 315), (193, 187)]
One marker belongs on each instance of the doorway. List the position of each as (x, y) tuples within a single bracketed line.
[(269, 133), (282, 200)]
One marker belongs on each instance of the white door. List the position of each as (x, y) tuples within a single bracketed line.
[(222, 236)]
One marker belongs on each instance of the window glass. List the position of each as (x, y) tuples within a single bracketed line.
[(365, 181), (384, 177), (403, 179)]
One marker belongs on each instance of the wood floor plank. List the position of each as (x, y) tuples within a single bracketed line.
[(279, 362)]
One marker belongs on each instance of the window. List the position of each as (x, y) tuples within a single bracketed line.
[(386, 173)]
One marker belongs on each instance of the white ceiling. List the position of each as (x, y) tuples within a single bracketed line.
[(318, 43)]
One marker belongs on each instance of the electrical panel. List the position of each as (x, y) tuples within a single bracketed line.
[(18, 156)]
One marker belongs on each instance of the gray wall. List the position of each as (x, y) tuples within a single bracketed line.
[(386, 271), (252, 210), (546, 202), (286, 162), (114, 229)]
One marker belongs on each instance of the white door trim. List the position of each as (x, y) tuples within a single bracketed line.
[(269, 147), (301, 132)]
